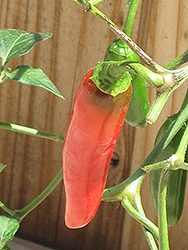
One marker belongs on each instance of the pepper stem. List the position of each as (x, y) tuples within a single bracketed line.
[(183, 58), (148, 234), (163, 93), (146, 59), (181, 151), (127, 29), (20, 214), (31, 131), (185, 101), (140, 218), (171, 79), (162, 213), (94, 2), (6, 209), (175, 126)]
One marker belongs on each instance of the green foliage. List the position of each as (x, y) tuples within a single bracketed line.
[(14, 43), (2, 166), (6, 248), (8, 228), (32, 76), (129, 2)]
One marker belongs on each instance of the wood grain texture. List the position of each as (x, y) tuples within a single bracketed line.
[(79, 41), (164, 40)]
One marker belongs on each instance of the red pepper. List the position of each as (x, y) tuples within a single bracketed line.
[(91, 137)]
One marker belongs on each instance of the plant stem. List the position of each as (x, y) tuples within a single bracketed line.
[(127, 191), (157, 106), (148, 60), (31, 131), (85, 4), (130, 188), (154, 79), (20, 214), (94, 2), (183, 58), (140, 218), (162, 213), (185, 101), (148, 234), (180, 76), (165, 140), (172, 79), (183, 145), (130, 17), (6, 209), (122, 191)]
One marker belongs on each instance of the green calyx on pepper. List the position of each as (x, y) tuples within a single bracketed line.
[(139, 104), (111, 77)]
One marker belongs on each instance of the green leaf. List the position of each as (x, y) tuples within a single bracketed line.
[(8, 228), (6, 248), (2, 166), (33, 76), (14, 43), (129, 2)]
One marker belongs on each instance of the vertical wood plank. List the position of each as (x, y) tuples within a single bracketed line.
[(165, 40)]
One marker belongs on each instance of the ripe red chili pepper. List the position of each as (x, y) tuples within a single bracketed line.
[(91, 137)]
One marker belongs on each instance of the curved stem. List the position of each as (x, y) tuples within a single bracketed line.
[(157, 106), (94, 2), (148, 234), (147, 59), (31, 131), (128, 188), (6, 209), (185, 101), (173, 79), (85, 4), (180, 76), (183, 145), (20, 214), (162, 213), (165, 140), (140, 218), (132, 185), (3, 80), (183, 58), (130, 17), (154, 79)]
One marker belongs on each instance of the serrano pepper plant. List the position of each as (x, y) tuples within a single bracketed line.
[(107, 91)]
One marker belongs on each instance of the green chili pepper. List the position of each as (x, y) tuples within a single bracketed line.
[(139, 104), (177, 179)]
